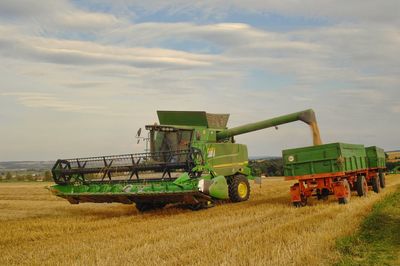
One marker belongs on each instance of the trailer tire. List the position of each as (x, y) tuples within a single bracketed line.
[(376, 187), (323, 194), (239, 188), (346, 199), (361, 186), (302, 203), (382, 179)]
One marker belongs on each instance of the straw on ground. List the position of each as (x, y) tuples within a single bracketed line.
[(38, 228)]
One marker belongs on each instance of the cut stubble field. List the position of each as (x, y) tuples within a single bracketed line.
[(38, 228)]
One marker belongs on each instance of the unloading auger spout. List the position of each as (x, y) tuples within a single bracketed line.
[(307, 116)]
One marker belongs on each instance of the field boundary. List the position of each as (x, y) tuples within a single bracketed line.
[(377, 241)]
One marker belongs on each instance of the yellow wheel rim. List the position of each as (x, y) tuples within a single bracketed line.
[(242, 190)]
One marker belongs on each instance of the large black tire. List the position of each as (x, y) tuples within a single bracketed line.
[(323, 194), (376, 186), (301, 203), (239, 188), (382, 179), (200, 206), (361, 186), (346, 199), (148, 206)]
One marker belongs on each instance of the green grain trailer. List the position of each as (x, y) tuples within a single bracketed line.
[(193, 159), (335, 168), (327, 158), (377, 161)]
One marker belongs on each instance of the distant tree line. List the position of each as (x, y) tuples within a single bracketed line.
[(267, 167), (25, 176)]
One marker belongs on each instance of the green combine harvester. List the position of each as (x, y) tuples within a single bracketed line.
[(396, 170), (193, 159)]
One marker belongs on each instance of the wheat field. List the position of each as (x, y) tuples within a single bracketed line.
[(40, 229)]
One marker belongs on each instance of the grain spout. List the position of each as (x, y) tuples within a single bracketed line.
[(315, 133)]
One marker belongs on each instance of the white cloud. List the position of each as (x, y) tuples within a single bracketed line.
[(50, 101), (366, 96), (79, 20), (351, 11), (396, 109), (354, 53), (47, 17), (84, 52), (98, 71)]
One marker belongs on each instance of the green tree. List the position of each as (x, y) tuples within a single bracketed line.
[(20, 177), (47, 176), (8, 176), (29, 177)]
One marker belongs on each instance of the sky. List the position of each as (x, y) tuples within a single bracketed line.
[(78, 78)]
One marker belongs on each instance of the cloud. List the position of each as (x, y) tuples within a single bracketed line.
[(62, 61), (53, 16), (90, 53), (396, 109), (354, 53), (29, 8), (365, 96), (339, 10), (50, 101), (79, 20)]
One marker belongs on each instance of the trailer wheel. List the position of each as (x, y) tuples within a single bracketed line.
[(239, 188), (382, 179), (345, 199), (323, 194), (376, 187), (361, 186), (302, 203)]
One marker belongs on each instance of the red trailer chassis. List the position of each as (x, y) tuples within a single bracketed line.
[(339, 184)]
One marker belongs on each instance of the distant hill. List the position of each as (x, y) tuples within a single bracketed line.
[(26, 165)]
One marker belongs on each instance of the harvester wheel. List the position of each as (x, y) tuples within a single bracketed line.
[(239, 188), (361, 186), (376, 184), (382, 179), (147, 206), (200, 206), (345, 199)]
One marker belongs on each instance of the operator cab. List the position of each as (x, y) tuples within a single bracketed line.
[(169, 144)]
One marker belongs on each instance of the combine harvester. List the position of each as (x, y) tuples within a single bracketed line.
[(396, 170), (335, 168), (193, 159)]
